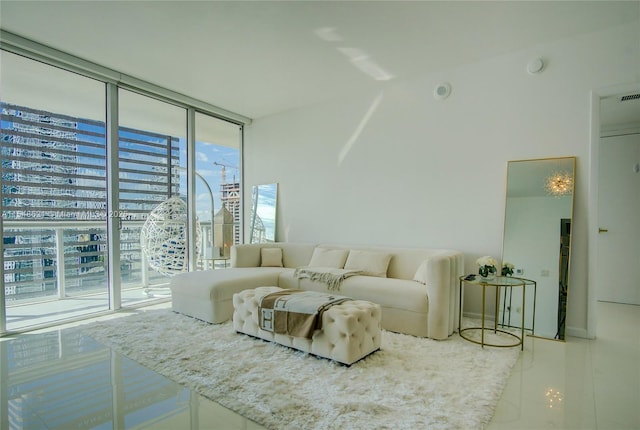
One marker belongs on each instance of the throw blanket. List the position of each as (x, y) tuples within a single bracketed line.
[(331, 276), (296, 313)]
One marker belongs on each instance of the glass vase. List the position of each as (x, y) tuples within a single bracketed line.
[(486, 273)]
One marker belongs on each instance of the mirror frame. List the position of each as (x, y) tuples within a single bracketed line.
[(264, 203), (544, 168)]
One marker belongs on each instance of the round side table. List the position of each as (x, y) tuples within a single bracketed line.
[(498, 282)]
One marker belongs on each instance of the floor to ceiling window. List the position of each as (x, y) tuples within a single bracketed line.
[(152, 169), (217, 151), (53, 193), (58, 199)]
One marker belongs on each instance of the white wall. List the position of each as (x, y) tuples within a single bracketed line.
[(397, 167)]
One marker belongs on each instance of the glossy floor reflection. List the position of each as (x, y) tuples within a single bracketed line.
[(61, 379), (32, 315), (64, 380), (578, 384)]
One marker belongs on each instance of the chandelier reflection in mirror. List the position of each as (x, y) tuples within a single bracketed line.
[(559, 184), (554, 398)]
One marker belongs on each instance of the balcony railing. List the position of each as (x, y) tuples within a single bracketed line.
[(62, 259)]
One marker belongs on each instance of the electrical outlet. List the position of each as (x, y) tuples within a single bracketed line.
[(519, 271), (544, 272)]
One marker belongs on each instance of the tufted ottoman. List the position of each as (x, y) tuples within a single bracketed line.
[(350, 330)]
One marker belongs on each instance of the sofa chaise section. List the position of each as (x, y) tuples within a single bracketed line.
[(208, 295)]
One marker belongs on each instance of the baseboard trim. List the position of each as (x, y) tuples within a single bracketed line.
[(577, 332), (477, 316)]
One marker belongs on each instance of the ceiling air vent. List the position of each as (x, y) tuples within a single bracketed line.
[(630, 97)]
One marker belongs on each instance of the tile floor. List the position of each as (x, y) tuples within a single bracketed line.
[(578, 384), (52, 379)]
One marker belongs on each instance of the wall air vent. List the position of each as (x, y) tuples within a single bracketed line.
[(630, 97)]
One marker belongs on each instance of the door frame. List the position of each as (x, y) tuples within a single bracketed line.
[(592, 215)]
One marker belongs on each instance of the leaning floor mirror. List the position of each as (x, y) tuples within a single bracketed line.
[(263, 213), (537, 242)]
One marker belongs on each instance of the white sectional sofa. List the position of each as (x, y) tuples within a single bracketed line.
[(416, 288)]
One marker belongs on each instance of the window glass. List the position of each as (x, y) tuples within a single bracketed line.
[(53, 193), (218, 188), (152, 169)]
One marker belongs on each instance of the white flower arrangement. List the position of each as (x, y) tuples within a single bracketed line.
[(507, 268), (486, 266)]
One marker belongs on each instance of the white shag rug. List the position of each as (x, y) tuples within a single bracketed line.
[(410, 383)]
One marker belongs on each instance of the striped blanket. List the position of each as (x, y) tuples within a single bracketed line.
[(296, 313)]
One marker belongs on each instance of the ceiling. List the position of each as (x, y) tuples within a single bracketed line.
[(261, 58)]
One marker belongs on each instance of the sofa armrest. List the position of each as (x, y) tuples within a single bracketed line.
[(442, 290)]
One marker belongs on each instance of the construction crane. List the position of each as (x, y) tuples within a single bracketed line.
[(224, 172)]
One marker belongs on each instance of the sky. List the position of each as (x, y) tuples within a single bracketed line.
[(206, 155), (209, 153)]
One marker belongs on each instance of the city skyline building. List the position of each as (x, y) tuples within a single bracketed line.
[(230, 197), (54, 169)]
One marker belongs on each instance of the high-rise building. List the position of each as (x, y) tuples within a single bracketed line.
[(54, 169), (40, 164), (230, 192)]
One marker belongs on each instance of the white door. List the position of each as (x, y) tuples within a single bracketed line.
[(618, 256)]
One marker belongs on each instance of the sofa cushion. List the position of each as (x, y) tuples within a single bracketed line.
[(388, 292), (222, 284), (325, 257), (293, 254), (371, 263), (271, 257), (405, 261)]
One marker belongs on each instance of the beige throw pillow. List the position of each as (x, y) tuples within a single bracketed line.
[(370, 262), (271, 257), (421, 273), (324, 257)]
